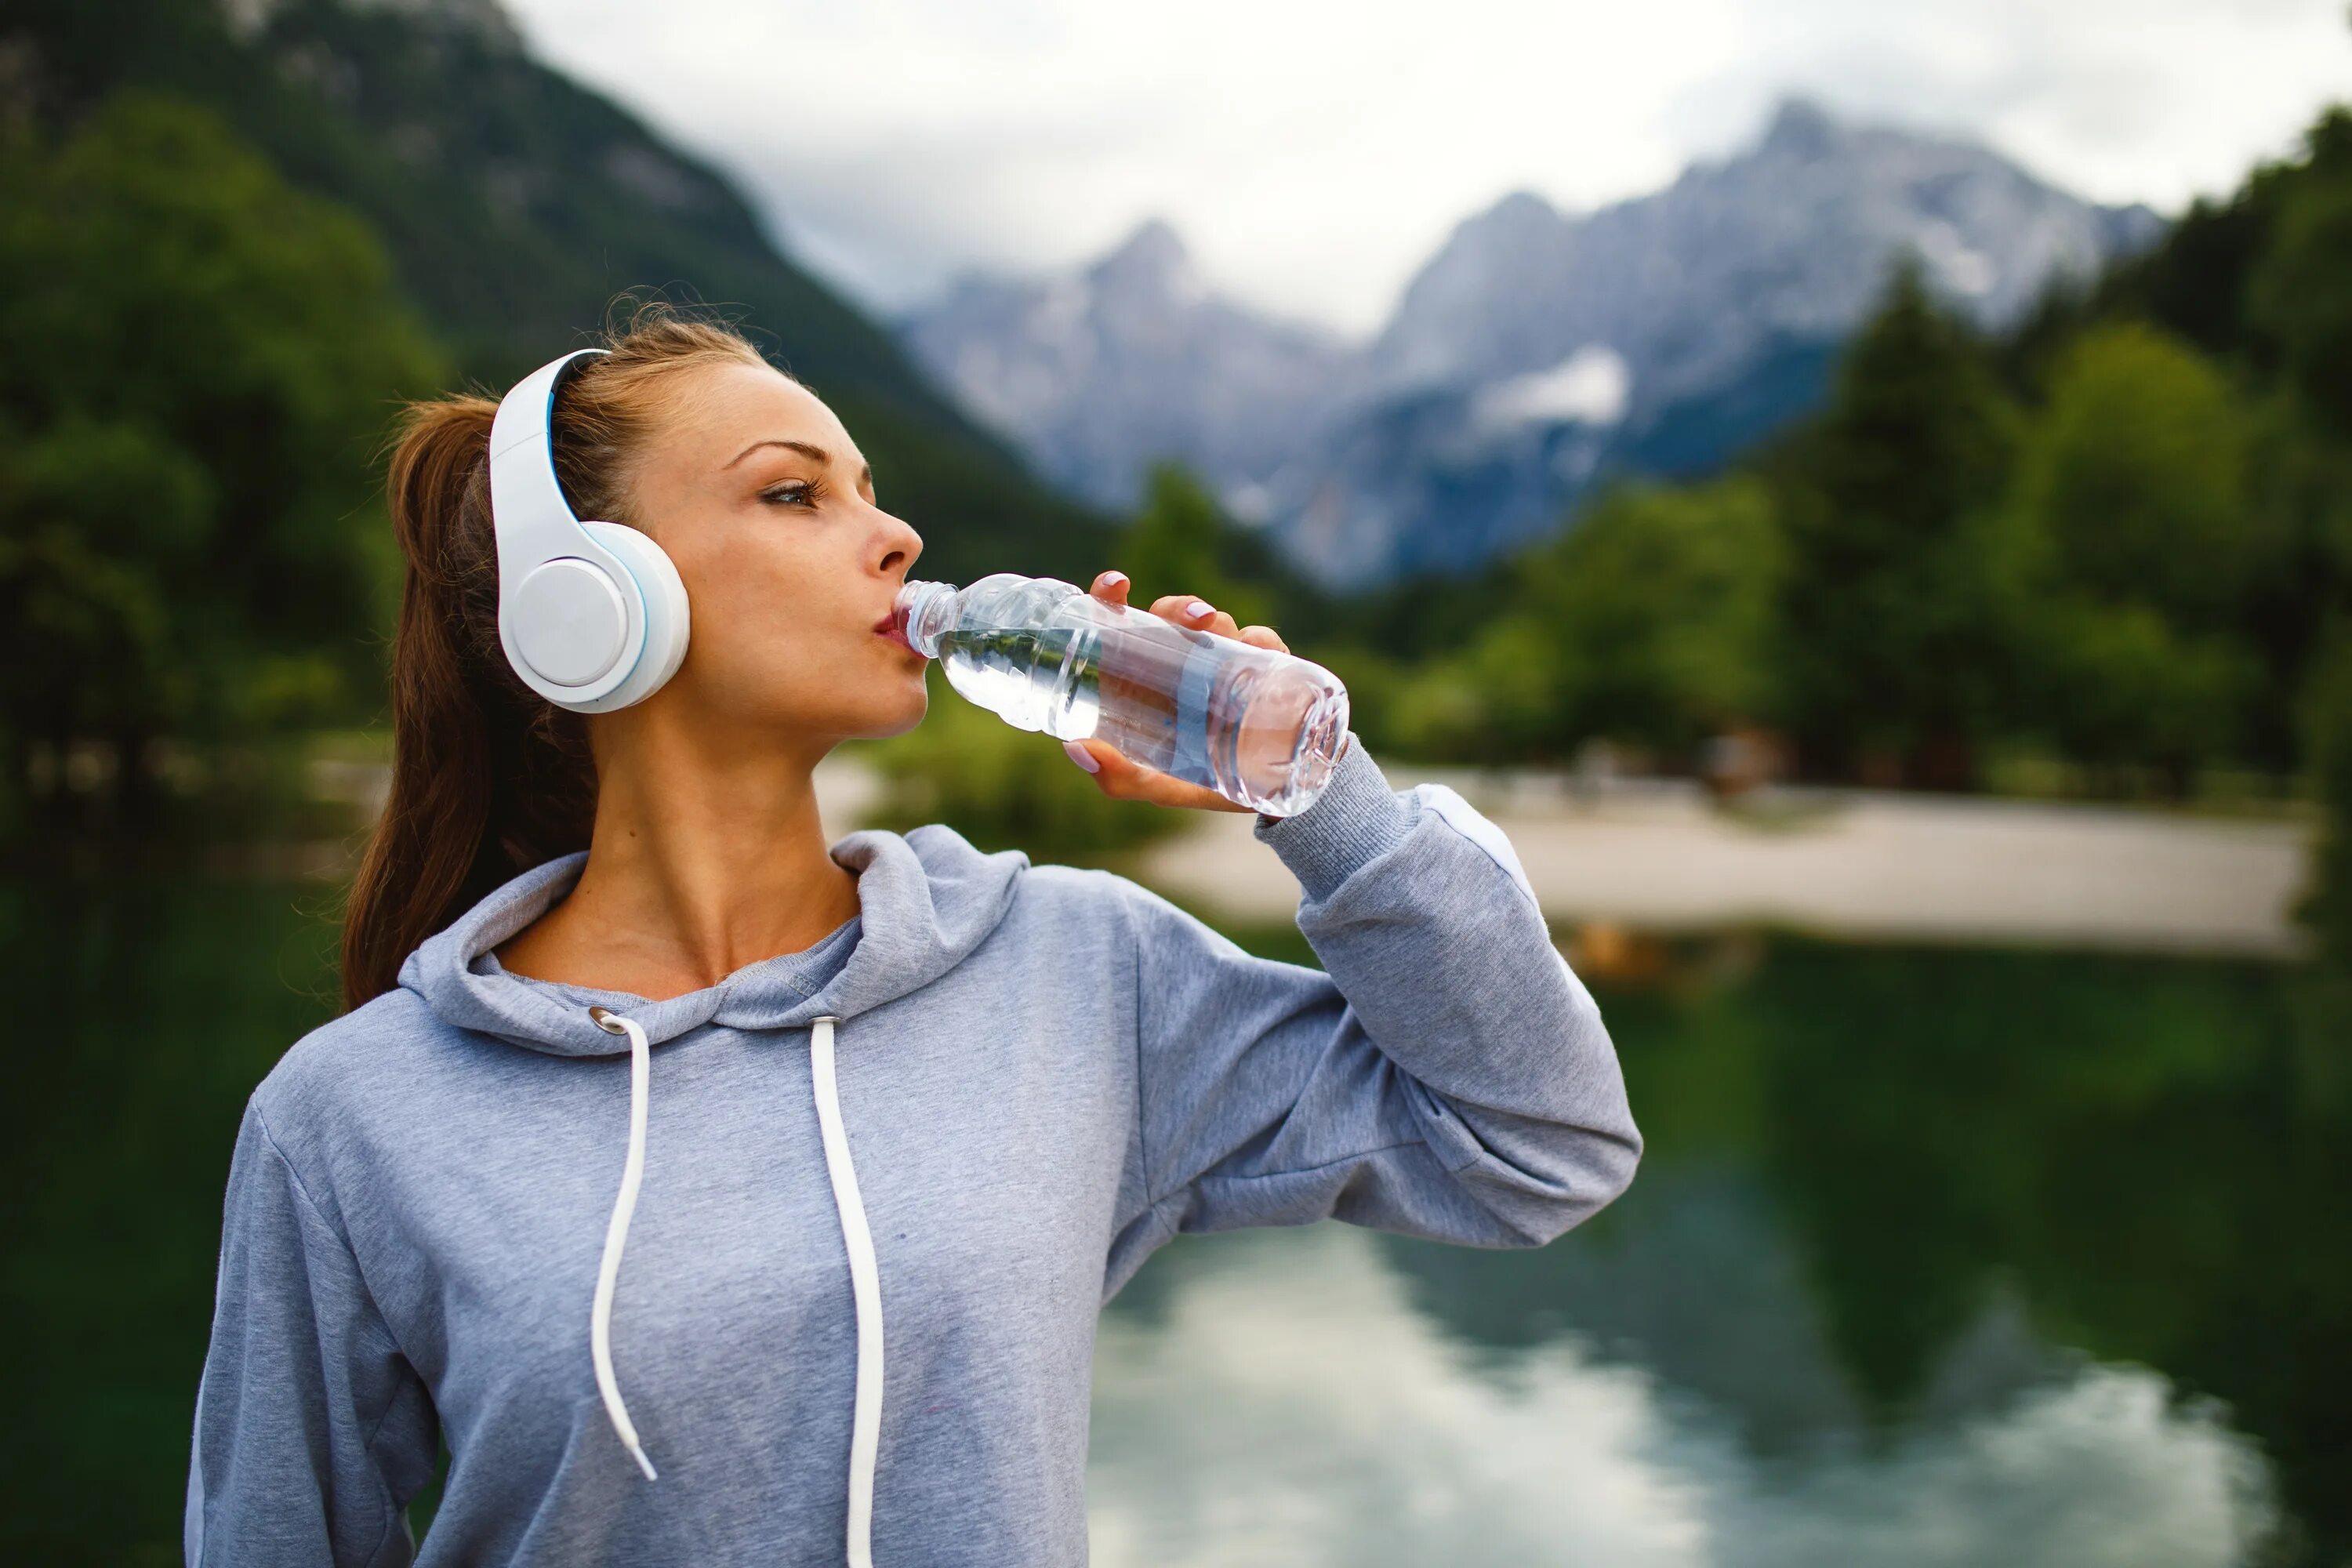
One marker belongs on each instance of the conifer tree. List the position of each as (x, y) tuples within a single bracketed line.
[(1891, 616)]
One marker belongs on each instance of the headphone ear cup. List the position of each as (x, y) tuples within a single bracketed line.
[(667, 625)]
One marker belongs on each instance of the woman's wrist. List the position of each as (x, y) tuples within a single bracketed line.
[(1356, 818)]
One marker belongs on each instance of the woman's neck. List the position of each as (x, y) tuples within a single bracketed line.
[(703, 860)]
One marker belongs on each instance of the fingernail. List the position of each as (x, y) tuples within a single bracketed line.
[(1200, 608), (1080, 755), (1110, 579)]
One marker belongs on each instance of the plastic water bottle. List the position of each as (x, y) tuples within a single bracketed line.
[(1258, 727)]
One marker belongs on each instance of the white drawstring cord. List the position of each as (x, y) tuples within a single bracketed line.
[(865, 1289), (617, 1233), (865, 1273)]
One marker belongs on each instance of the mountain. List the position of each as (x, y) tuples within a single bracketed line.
[(1538, 350), (1098, 372), (1535, 352), (515, 203), (1786, 241)]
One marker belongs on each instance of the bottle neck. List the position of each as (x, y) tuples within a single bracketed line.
[(925, 612)]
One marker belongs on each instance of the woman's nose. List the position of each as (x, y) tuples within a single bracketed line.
[(900, 544)]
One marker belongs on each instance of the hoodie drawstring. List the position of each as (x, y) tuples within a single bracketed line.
[(865, 1289), (865, 1273), (616, 1232)]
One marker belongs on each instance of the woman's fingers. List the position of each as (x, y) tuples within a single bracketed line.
[(1120, 779), (1114, 774), (1263, 636), (1189, 610)]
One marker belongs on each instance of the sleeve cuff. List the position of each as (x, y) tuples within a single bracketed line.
[(1356, 818)]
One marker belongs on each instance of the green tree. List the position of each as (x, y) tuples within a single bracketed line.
[(1665, 604), (1897, 634), (2299, 295), (2328, 715), (2132, 490), (2136, 470), (195, 362), (2120, 686), (2255, 282), (1652, 621)]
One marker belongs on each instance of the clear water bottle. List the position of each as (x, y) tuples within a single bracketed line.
[(1258, 727)]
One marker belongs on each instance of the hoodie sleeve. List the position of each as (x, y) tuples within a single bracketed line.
[(312, 1431), (1448, 1077)]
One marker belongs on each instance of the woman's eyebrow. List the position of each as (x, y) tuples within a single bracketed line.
[(818, 454)]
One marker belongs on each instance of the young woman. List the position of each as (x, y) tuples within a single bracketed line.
[(894, 1117)]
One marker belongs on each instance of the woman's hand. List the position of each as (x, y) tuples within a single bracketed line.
[(1115, 775)]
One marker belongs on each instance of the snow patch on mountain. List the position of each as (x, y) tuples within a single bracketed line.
[(1591, 386)]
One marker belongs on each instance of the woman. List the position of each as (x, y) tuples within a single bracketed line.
[(888, 1092)]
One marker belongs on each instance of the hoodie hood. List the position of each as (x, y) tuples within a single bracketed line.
[(926, 899)]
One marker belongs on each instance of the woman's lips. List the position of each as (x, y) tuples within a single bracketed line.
[(889, 629)]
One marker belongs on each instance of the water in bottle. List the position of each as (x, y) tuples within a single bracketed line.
[(1258, 727)]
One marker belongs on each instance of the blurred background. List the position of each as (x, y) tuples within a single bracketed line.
[(1863, 494)]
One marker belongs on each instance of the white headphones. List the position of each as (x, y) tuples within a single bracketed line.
[(591, 615)]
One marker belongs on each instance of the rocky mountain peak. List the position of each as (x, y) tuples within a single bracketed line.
[(1150, 263), (1098, 372), (1801, 128)]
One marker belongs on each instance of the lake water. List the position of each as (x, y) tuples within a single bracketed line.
[(1937, 1257)]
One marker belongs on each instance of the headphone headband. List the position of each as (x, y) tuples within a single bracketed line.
[(533, 520)]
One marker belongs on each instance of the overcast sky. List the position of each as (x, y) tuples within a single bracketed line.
[(1313, 154)]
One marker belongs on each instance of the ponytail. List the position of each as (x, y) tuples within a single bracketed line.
[(489, 779)]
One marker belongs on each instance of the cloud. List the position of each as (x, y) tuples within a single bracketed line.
[(1314, 153)]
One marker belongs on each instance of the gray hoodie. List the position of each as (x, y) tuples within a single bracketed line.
[(876, 1223)]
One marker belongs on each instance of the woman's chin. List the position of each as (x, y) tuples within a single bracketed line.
[(902, 716)]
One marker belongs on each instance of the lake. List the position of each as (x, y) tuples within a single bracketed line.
[(1937, 1256)]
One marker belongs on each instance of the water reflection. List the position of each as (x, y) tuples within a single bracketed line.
[(1937, 1255), (1288, 1403), (142, 1012)]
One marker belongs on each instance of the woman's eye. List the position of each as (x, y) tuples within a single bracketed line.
[(791, 492)]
